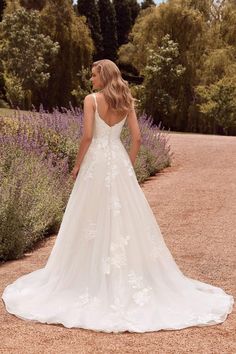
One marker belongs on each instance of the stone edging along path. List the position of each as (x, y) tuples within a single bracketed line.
[(194, 202)]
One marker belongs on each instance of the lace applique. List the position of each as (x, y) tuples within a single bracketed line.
[(118, 257), (86, 299), (123, 241), (117, 306), (115, 206), (112, 168), (143, 294), (120, 311), (136, 281), (141, 297), (89, 163), (129, 166), (112, 172), (83, 299), (90, 172), (90, 231), (102, 143), (157, 245)]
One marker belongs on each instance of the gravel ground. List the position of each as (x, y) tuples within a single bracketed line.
[(194, 202)]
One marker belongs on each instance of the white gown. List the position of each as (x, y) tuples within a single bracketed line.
[(110, 269)]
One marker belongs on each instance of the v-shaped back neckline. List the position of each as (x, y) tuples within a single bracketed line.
[(96, 111)]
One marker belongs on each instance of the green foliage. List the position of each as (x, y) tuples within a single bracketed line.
[(162, 81), (203, 6), (3, 104), (218, 104), (217, 64), (205, 33), (185, 26), (84, 86), (22, 40), (227, 23), (60, 22), (15, 93)]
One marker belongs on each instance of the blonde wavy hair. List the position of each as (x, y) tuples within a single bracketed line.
[(115, 89)]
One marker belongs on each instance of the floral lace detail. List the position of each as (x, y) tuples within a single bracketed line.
[(136, 281), (90, 231), (117, 306), (157, 245), (88, 164), (115, 206), (120, 312), (86, 299), (143, 294), (141, 297), (118, 256), (112, 151), (112, 172), (129, 166), (90, 172), (102, 143)]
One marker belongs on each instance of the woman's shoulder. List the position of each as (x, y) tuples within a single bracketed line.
[(89, 101), (89, 96)]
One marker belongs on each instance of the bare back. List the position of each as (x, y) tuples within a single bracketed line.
[(110, 117)]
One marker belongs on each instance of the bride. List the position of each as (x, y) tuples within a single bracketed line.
[(110, 269)]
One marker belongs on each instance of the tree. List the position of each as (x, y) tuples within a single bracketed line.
[(108, 28), (22, 40), (124, 20), (2, 6), (33, 5), (227, 23), (84, 87), (203, 6), (147, 3), (60, 21), (217, 64), (134, 10), (217, 103), (162, 82), (188, 29), (89, 9)]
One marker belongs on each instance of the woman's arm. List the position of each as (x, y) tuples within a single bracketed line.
[(87, 133), (135, 135)]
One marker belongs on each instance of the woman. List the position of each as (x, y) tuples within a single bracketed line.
[(110, 269), (113, 90)]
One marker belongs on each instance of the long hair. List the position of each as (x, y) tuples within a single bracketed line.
[(115, 89)]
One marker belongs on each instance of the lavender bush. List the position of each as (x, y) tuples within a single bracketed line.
[(30, 204), (38, 152)]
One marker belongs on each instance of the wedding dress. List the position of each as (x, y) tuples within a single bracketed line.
[(110, 269)]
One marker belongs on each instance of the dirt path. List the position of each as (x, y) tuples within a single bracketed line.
[(194, 201)]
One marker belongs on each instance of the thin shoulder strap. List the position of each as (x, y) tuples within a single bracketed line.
[(95, 99)]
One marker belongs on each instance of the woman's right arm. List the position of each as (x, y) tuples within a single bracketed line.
[(135, 135)]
